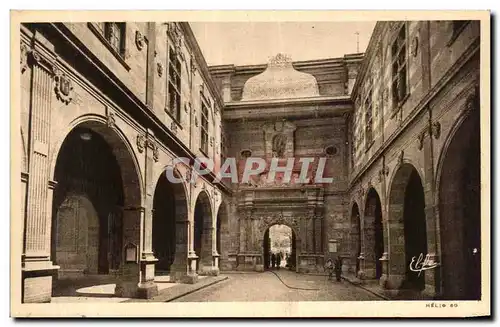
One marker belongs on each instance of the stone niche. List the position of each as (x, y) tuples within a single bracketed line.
[(279, 139)]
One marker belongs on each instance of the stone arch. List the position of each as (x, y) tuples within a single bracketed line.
[(407, 227), (373, 235), (203, 233), (95, 162), (459, 209), (170, 222), (120, 144), (355, 237), (266, 245), (223, 237)]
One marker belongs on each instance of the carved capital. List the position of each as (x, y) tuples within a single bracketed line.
[(25, 50), (401, 157)]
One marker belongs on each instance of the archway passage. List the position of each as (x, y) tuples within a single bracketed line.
[(374, 235), (279, 239), (460, 213), (87, 221), (408, 230), (203, 230), (223, 237), (164, 224), (355, 237)]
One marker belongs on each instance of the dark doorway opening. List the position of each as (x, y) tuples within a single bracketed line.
[(164, 217)]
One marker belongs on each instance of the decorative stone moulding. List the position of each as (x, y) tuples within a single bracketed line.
[(110, 119), (414, 46), (139, 40), (280, 80), (63, 87), (173, 127), (159, 69)]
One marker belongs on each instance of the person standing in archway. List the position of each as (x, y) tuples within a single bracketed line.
[(273, 260), (278, 260)]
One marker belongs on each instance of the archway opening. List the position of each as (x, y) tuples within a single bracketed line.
[(460, 213), (203, 230), (279, 246), (222, 237), (374, 235), (408, 227), (87, 216), (355, 237), (164, 223)]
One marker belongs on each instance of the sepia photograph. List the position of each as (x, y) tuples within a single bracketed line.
[(250, 164)]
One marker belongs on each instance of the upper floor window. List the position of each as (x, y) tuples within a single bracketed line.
[(457, 28), (174, 85), (204, 127), (458, 25), (114, 34), (399, 68), (368, 113), (223, 145)]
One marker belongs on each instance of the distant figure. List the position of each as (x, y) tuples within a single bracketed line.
[(278, 260), (273, 259), (338, 268), (287, 260)]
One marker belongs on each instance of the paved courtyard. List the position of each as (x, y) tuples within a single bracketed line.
[(282, 286)]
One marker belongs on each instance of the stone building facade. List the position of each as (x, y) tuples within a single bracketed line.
[(414, 162), (305, 106), (107, 107)]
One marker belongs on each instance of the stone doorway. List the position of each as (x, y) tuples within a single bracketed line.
[(408, 230), (374, 235), (203, 234), (460, 212), (88, 205), (280, 239)]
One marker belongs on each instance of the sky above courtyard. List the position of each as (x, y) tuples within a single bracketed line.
[(255, 42)]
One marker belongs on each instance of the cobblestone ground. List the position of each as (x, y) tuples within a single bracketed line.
[(268, 287)]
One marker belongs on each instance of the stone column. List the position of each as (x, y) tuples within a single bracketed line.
[(37, 267), (147, 287), (129, 275), (318, 232), (310, 233), (432, 224)]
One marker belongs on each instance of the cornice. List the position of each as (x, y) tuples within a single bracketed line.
[(322, 100)]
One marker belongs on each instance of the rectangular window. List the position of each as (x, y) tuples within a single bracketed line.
[(399, 68), (368, 115), (222, 147), (114, 34), (204, 127), (174, 85)]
